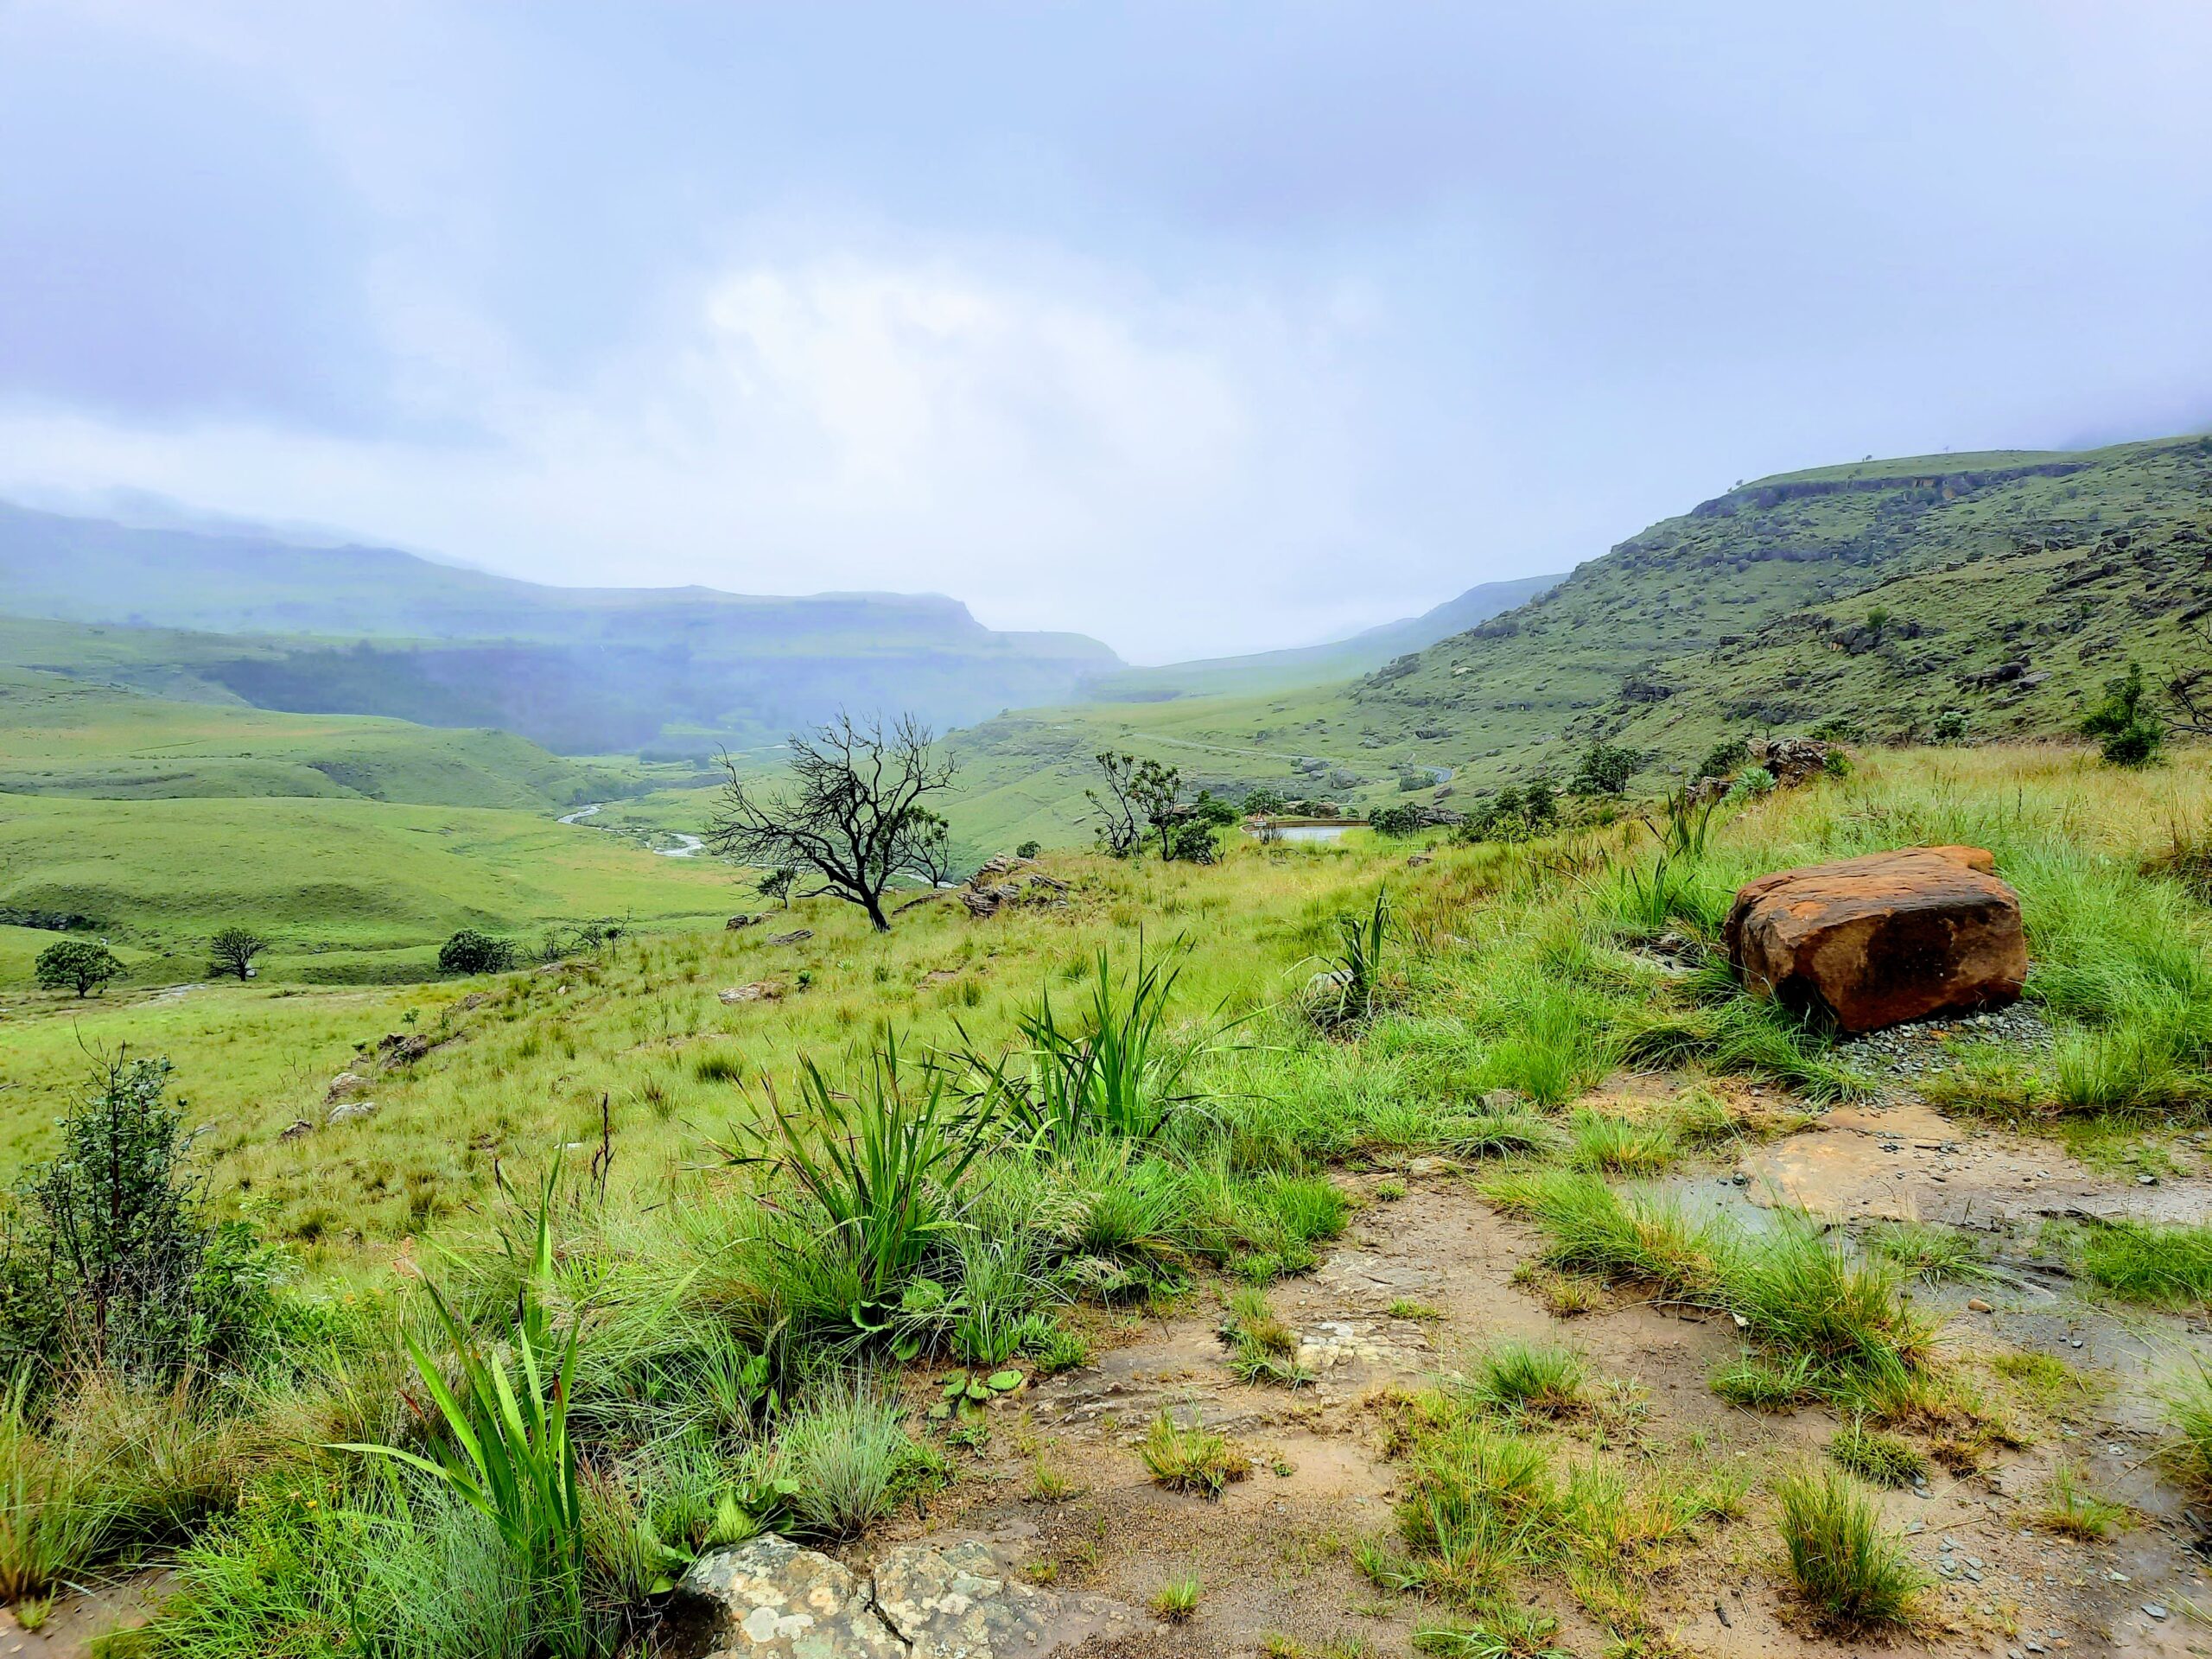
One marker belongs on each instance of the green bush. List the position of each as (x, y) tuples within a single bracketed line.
[(2127, 721), (471, 952)]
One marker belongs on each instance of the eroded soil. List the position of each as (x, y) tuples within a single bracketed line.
[(1420, 1283)]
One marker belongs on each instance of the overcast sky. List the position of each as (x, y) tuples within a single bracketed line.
[(1198, 327)]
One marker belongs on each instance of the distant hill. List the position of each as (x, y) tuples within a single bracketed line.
[(366, 630), (1312, 664), (1872, 597), (73, 737)]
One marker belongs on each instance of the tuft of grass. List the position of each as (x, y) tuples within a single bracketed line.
[(1852, 1571), (1932, 1254), (1405, 1307), (842, 1456), (1878, 1459), (714, 1066), (1390, 1189), (2187, 1451), (1594, 1229), (1178, 1598), (1193, 1459), (1505, 1632), (1262, 1349), (2170, 1266), (1522, 1379), (1495, 1134), (1763, 1384), (1617, 1146), (2072, 1510)]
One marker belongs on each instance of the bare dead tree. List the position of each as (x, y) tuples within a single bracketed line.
[(2188, 693), (853, 818)]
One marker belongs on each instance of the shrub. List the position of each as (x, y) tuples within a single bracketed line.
[(118, 1264), (1398, 820), (1193, 842), (1028, 849), (471, 952), (1722, 759), (2127, 721), (76, 965), (1764, 1385), (1845, 1564)]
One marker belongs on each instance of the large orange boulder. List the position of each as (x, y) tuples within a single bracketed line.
[(1871, 942)]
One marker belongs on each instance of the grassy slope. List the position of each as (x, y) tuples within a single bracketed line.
[(61, 736), (347, 889), (1736, 617), (1275, 670)]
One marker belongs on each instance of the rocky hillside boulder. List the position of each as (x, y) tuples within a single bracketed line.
[(770, 1599), (1875, 941)]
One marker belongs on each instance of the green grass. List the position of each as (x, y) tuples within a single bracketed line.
[(731, 1371), (1853, 1572), (1932, 1254), (1190, 1458), (1520, 1379), (1877, 1458), (2169, 1265)]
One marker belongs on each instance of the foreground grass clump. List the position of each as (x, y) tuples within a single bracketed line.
[(1488, 1510), (2144, 1261), (1877, 1458), (1520, 1379), (1192, 1458), (1853, 1573), (2072, 1510)]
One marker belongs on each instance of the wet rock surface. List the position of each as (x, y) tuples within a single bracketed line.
[(1876, 941)]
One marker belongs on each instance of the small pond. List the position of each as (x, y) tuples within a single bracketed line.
[(1303, 831)]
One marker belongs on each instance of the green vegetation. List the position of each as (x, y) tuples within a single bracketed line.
[(1851, 1570), (959, 1147), (2146, 1262), (1877, 1458), (78, 966)]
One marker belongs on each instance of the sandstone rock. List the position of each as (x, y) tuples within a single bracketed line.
[(1874, 941), (760, 990), (986, 901), (350, 1111), (402, 1048), (737, 921), (796, 936), (342, 1086), (295, 1129), (769, 1599)]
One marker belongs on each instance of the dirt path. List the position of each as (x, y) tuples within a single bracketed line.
[(1275, 1553)]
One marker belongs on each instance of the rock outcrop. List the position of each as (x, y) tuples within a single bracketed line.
[(770, 1599), (1875, 941)]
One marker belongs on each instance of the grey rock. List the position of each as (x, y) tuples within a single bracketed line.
[(348, 1111), (797, 935), (770, 1599)]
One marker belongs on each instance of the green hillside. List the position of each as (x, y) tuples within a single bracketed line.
[(2013, 585), (373, 631), (1339, 659), (62, 736)]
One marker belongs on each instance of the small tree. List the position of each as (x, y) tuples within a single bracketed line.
[(1115, 812), (777, 885), (1265, 801), (857, 817), (1028, 849), (1606, 769), (232, 951), (77, 965), (1155, 789), (2128, 720), (471, 952)]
